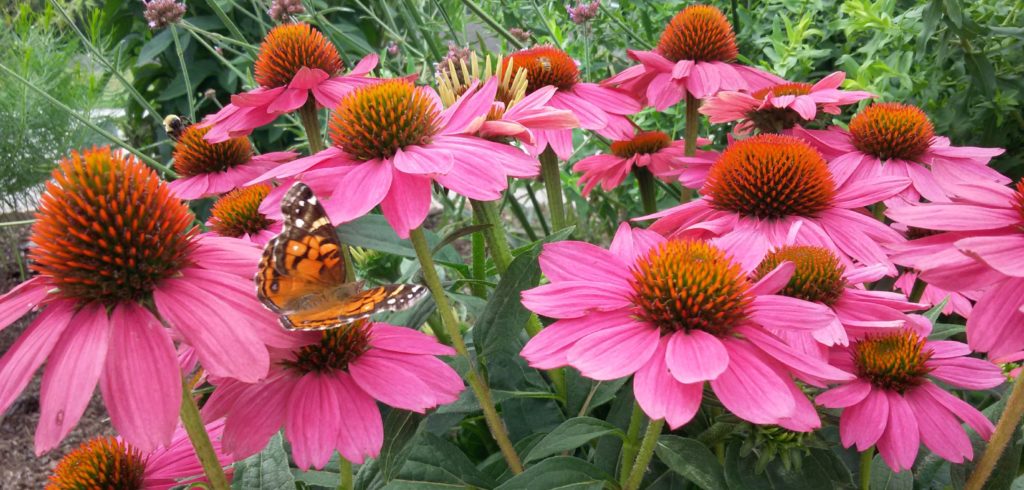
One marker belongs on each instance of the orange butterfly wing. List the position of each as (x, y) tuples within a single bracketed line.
[(390, 297)]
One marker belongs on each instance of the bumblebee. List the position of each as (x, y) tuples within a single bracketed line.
[(175, 125), (545, 64)]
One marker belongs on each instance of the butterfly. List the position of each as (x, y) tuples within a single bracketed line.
[(301, 276)]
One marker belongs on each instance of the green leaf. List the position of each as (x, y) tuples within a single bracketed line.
[(400, 427), (326, 479), (559, 473), (819, 468), (933, 313), (373, 232), (883, 478), (266, 470), (691, 459), (434, 463), (572, 434), (154, 47)]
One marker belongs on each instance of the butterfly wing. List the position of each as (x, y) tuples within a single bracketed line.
[(302, 261), (390, 297)]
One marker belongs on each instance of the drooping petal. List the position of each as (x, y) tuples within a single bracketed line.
[(570, 299), (862, 424), (902, 438), (548, 349), (315, 417), (939, 430), (751, 389), (407, 203), (22, 299), (389, 383), (31, 349), (844, 395), (695, 357), (362, 188), (614, 352), (784, 312), (967, 372), (259, 413), (407, 340), (963, 410), (362, 430), (661, 396), (573, 261)]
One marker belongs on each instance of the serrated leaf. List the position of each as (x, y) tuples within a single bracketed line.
[(559, 473), (400, 427), (436, 463), (266, 470), (691, 459), (373, 232), (572, 434)]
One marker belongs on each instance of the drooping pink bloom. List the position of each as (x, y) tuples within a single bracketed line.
[(621, 315), (597, 108), (207, 169), (895, 406), (325, 394), (695, 56), (295, 62), (899, 140), (118, 259), (979, 251), (778, 107), (762, 186), (391, 140), (237, 215), (109, 462), (653, 150)]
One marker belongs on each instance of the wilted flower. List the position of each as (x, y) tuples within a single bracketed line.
[(520, 34), (652, 150), (583, 11), (162, 13)]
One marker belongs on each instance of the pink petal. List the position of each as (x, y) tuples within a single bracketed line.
[(22, 299), (31, 349), (939, 430), (417, 160), (901, 440), (589, 115), (774, 281), (784, 312), (866, 194), (362, 430), (141, 353), (661, 396), (442, 383), (614, 352), (1002, 253), (390, 384), (630, 244), (751, 389), (314, 419), (953, 217), (863, 423), (967, 372), (289, 100), (844, 395), (475, 178), (994, 325), (695, 357), (406, 340), (72, 371), (570, 299), (548, 349), (562, 261), (963, 410), (784, 354), (609, 99), (308, 78), (364, 187), (259, 413), (407, 202), (473, 104)]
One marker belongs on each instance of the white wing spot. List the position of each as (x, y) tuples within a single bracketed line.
[(300, 222), (391, 301), (295, 247), (311, 200)]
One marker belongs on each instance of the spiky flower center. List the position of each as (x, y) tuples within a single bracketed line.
[(643, 143), (335, 350), (237, 212), (290, 47), (793, 88), (771, 119), (378, 120), (546, 65), (769, 177), (685, 285), (193, 155), (101, 463), (894, 361), (699, 33), (108, 228), (818, 275), (891, 130)]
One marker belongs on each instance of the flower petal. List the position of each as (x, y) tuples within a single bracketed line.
[(22, 299), (362, 431), (751, 389), (31, 349), (575, 261), (389, 383), (661, 396), (615, 352), (406, 340), (407, 203), (314, 419), (902, 438), (696, 356), (571, 299), (863, 423)]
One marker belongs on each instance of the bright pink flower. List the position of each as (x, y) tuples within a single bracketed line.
[(979, 251), (620, 314), (652, 150), (114, 268), (208, 169), (525, 117), (294, 62), (894, 405), (391, 140), (109, 462), (899, 140), (762, 186), (325, 393), (237, 215), (779, 107), (959, 303), (597, 108), (695, 56)]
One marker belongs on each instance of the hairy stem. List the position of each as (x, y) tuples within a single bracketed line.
[(865, 468), (1007, 424), (643, 458), (553, 185), (193, 424), (629, 445), (648, 189)]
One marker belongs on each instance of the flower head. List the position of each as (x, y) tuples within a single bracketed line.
[(325, 393), (698, 33), (207, 169), (779, 107), (162, 13), (895, 406), (652, 150), (762, 186), (237, 215), (520, 34), (583, 12), (117, 260), (282, 10), (899, 139), (288, 48), (676, 314)]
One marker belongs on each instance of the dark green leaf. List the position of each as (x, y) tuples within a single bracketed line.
[(1006, 468), (400, 427), (267, 470), (572, 434), (883, 478), (373, 232), (818, 469), (434, 463), (691, 459), (933, 313), (154, 47), (559, 473)]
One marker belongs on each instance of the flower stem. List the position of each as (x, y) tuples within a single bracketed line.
[(648, 190), (346, 475), (918, 290), (184, 73), (692, 124), (1007, 424), (476, 382), (878, 211), (643, 458), (193, 425), (310, 118), (498, 28), (553, 185), (865, 467), (629, 445)]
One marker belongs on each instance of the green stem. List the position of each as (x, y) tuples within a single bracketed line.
[(648, 190), (692, 124), (484, 16), (517, 210), (84, 120), (451, 325), (918, 290), (536, 207), (224, 19), (193, 424), (184, 73), (720, 444), (310, 118), (479, 266), (1005, 428), (552, 176), (497, 241), (346, 475), (629, 445), (431, 37), (865, 468), (643, 458)]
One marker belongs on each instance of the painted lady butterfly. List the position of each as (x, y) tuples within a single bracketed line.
[(302, 274)]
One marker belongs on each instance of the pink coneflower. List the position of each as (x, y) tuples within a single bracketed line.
[(894, 405), (899, 140), (676, 313), (325, 393), (652, 150), (117, 259), (696, 55), (598, 108), (762, 186), (207, 169), (979, 251), (111, 463), (237, 215), (778, 107), (820, 277), (294, 62), (391, 139)]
